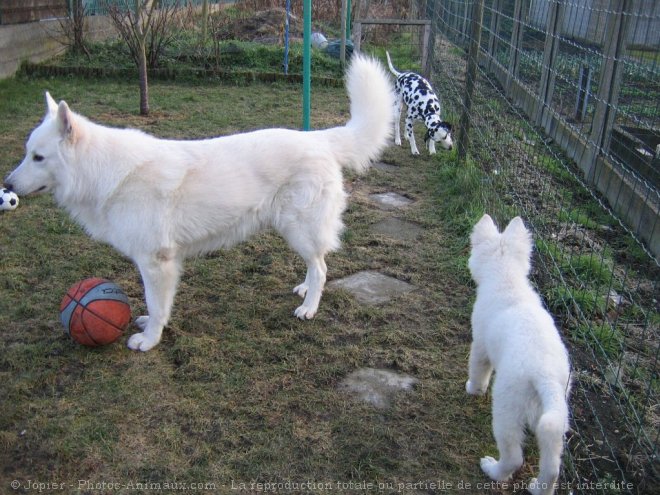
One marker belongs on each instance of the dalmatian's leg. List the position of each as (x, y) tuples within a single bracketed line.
[(397, 118), (410, 136), (431, 145)]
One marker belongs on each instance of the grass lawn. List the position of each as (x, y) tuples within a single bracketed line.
[(240, 391)]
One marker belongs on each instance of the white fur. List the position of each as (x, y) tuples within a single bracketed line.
[(159, 201), (516, 337)]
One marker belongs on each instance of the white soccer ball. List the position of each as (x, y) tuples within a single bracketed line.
[(8, 199)]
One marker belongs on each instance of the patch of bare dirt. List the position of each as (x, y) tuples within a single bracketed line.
[(266, 26)]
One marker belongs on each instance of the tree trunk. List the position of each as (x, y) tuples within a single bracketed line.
[(144, 83), (205, 19)]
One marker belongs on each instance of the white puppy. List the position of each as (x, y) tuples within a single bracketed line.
[(160, 201), (515, 336)]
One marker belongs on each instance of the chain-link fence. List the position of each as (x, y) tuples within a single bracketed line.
[(564, 118)]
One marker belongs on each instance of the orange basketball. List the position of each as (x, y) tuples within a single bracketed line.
[(95, 312)]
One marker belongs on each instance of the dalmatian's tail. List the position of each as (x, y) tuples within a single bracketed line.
[(389, 62), (369, 129)]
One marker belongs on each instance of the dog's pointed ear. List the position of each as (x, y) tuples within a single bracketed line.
[(66, 122), (516, 228), (51, 105), (483, 230), (517, 233)]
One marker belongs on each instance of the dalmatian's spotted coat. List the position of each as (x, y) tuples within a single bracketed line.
[(422, 104)]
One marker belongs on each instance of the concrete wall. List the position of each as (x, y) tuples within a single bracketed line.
[(40, 41)]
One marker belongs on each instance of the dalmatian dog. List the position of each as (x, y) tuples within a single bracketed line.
[(423, 104)]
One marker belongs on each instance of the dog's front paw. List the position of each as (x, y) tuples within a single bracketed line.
[(141, 342), (472, 389), (301, 290), (305, 313), (414, 152), (397, 141)]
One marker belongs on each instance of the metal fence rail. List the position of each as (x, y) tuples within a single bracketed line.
[(566, 98)]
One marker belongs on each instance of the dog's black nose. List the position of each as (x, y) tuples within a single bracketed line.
[(8, 185), (450, 148)]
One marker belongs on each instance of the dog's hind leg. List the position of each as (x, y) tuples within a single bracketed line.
[(480, 370), (303, 242), (160, 276), (550, 437), (313, 287), (410, 136), (312, 227), (509, 433)]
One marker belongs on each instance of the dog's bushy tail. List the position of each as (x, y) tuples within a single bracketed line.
[(370, 127), (550, 430)]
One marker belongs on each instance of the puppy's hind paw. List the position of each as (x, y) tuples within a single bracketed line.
[(536, 488)]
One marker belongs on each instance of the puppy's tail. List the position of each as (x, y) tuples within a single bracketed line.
[(370, 127), (550, 430), (389, 62)]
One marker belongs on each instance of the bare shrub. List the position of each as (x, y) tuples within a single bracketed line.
[(147, 27), (329, 10), (156, 23)]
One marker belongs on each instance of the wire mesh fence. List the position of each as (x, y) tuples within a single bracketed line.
[(100, 7), (564, 121)]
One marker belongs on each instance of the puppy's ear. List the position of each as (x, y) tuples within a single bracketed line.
[(516, 228), (516, 234), (447, 126), (484, 229), (66, 122), (51, 105)]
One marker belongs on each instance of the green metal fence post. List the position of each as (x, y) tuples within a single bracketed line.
[(307, 62)]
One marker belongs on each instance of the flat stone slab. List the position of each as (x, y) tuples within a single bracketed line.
[(398, 229), (372, 287), (385, 167), (376, 386), (390, 200)]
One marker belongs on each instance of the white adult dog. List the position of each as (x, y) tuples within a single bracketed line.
[(514, 335), (159, 201)]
